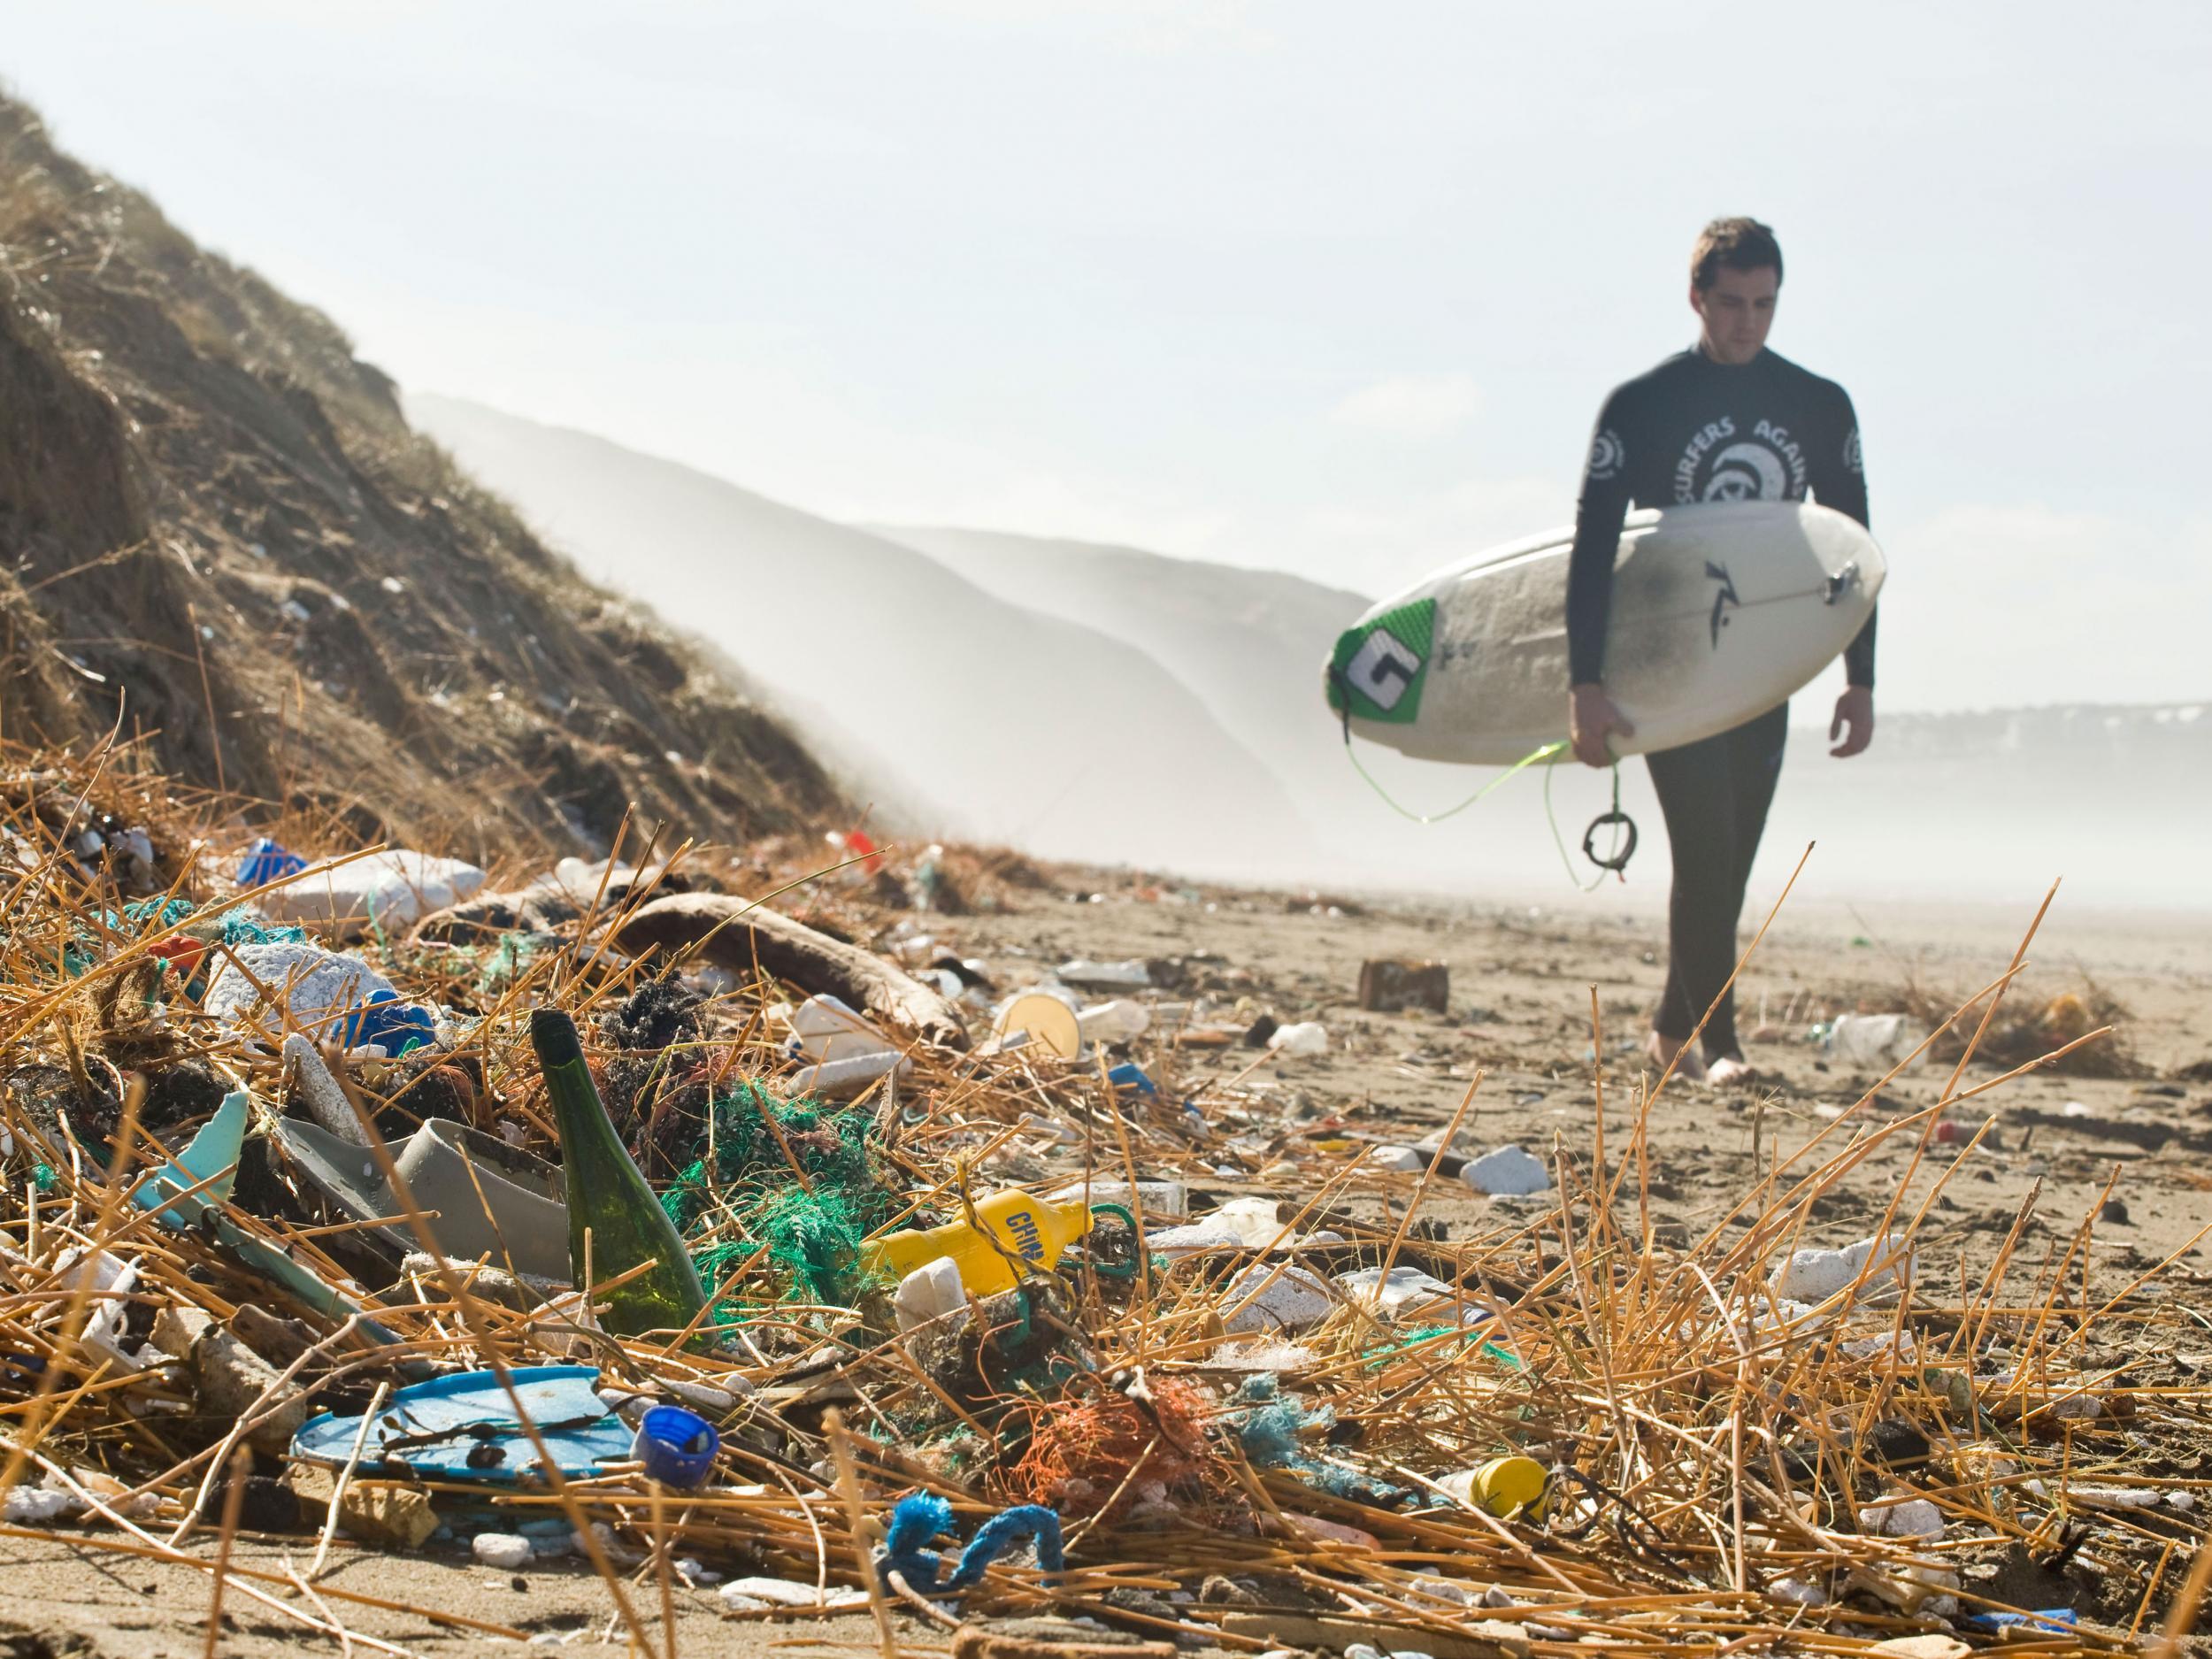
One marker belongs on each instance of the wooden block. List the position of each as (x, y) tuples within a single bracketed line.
[(375, 1511), (1390, 987)]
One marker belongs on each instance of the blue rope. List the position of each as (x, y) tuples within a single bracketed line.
[(917, 1520)]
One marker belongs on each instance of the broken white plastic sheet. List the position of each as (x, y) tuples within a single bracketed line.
[(1507, 1172), (1869, 1040), (107, 1302), (930, 1292), (848, 1052), (1242, 1223), (1271, 1296), (1408, 1294), (1304, 1041), (381, 891), (1813, 1276), (1085, 975), (1117, 1021), (757, 1595)]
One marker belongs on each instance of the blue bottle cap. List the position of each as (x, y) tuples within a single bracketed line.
[(676, 1447)]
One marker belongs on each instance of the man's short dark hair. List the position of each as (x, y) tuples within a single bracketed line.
[(1740, 244)]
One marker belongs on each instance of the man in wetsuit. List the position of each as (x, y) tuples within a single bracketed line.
[(1726, 421)]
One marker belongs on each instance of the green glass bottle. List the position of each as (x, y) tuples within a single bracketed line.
[(607, 1196)]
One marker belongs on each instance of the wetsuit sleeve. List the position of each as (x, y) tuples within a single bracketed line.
[(1840, 481), (1599, 515)]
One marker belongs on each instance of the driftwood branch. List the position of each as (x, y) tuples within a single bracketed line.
[(727, 932)]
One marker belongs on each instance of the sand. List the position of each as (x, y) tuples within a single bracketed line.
[(1521, 981)]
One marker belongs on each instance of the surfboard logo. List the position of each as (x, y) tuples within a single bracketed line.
[(1724, 598), (1378, 668)]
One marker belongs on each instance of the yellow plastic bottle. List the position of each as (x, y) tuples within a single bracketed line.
[(1036, 1229), (1510, 1485)]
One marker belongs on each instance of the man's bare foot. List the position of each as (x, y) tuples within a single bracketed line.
[(1732, 1070), (1661, 1051)]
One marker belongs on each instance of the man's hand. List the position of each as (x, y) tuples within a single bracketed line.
[(1854, 715), (1591, 718)]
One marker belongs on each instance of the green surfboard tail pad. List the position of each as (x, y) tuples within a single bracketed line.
[(1380, 667)]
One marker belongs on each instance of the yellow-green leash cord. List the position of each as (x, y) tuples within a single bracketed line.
[(1614, 863), (1528, 759)]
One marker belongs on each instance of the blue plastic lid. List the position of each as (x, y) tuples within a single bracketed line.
[(464, 1427), (676, 1447)]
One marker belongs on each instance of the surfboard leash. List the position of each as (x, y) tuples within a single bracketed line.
[(1624, 827), (1614, 861), (1528, 759)]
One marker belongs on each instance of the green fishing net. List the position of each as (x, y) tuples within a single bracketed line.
[(742, 1174)]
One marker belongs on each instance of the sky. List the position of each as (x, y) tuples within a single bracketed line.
[(1312, 287)]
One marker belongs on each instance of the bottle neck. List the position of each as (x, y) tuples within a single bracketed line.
[(580, 1116)]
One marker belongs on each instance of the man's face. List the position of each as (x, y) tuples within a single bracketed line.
[(1738, 310)]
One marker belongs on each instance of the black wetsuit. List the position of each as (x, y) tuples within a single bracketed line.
[(1695, 430)]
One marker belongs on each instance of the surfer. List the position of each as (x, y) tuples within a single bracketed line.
[(1726, 421)]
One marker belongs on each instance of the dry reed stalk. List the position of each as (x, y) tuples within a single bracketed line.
[(1675, 1362), (240, 1466), (859, 1529)]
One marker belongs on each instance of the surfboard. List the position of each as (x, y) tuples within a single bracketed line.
[(1720, 611)]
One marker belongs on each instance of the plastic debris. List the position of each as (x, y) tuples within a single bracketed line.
[(1119, 1021), (846, 1052), (1041, 1019), (1405, 1160), (2059, 1618), (385, 1025), (1085, 975), (464, 1427), (491, 1200), (1170, 1199), (1408, 1293), (296, 985), (676, 1447), (1505, 1487), (1300, 1042), (265, 861), (1032, 1230), (1507, 1172), (1299, 1332), (930, 1293), (917, 1519), (1868, 1039), (1813, 1276), (758, 1595), (381, 891), (36, 1506), (205, 1171), (1246, 1223), (1268, 1297)]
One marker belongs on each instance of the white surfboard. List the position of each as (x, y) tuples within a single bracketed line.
[(1720, 611)]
